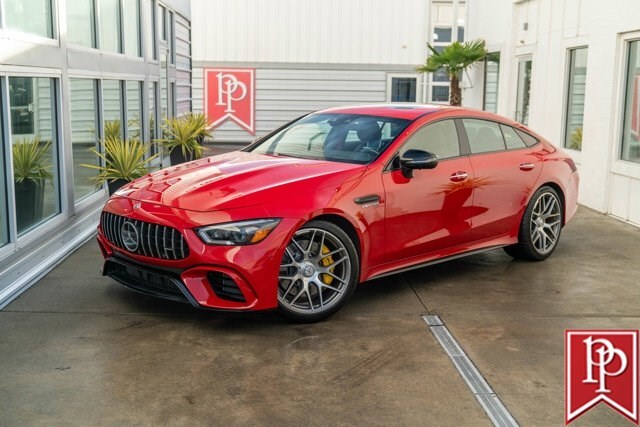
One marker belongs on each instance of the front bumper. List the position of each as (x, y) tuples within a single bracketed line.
[(237, 278)]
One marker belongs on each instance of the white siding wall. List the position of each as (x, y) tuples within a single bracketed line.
[(283, 94), (607, 184), (310, 31)]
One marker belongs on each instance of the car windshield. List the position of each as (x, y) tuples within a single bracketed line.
[(349, 138)]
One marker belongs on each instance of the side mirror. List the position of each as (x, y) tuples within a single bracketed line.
[(417, 159)]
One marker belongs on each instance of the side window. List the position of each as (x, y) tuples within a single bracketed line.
[(484, 136), (511, 138), (439, 138), (528, 139)]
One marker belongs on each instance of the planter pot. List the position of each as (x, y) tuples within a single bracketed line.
[(115, 185), (177, 157), (29, 203)]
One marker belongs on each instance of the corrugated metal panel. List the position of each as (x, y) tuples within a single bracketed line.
[(183, 65), (311, 31), (282, 94)]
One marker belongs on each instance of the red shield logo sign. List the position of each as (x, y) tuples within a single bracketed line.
[(230, 94), (601, 366)]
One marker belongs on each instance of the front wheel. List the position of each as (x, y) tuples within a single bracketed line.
[(318, 272), (540, 228)]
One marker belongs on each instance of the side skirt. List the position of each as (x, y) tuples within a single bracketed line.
[(436, 261)]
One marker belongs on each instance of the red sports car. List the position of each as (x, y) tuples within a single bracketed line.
[(297, 219)]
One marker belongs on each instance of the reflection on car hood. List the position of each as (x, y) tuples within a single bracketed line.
[(230, 180)]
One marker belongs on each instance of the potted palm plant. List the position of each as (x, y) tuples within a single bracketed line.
[(183, 137), (124, 161), (31, 171)]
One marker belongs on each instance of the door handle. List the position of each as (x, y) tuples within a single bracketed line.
[(527, 166), (458, 176)]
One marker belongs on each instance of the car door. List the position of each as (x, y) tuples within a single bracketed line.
[(429, 211), (505, 170)]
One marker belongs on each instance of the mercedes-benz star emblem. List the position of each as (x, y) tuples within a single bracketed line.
[(129, 234)]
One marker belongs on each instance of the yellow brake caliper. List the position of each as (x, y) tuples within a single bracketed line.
[(327, 261)]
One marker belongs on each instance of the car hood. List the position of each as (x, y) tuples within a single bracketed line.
[(233, 180)]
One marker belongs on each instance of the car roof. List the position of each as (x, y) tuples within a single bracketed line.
[(410, 111)]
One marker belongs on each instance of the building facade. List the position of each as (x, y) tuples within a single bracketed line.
[(308, 55), (72, 72), (571, 70)]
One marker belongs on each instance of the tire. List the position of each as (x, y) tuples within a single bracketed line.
[(318, 272), (540, 228)]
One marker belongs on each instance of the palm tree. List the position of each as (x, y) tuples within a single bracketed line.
[(454, 59)]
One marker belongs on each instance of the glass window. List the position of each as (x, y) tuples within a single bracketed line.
[(4, 225), (528, 139), (151, 42), (484, 136), (164, 88), (403, 89), (162, 22), (131, 24), (134, 110), (84, 134), (575, 98), (112, 109), (172, 39), (440, 94), (440, 138), (460, 34), (110, 26), (631, 129), (524, 88), (21, 99), (29, 16), (442, 35), (511, 138), (80, 23), (153, 119), (35, 154), (491, 79)]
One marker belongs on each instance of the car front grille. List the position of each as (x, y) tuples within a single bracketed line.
[(144, 238)]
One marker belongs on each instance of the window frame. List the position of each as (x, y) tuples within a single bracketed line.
[(46, 227), (625, 93), (16, 35)]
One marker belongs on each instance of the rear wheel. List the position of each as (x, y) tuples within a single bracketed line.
[(540, 228), (318, 272)]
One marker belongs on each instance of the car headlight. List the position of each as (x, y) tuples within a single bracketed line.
[(237, 233)]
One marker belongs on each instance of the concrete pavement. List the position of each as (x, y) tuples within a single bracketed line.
[(80, 349)]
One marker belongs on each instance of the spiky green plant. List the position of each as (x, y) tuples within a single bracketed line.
[(112, 129), (185, 132), (30, 162), (454, 59), (123, 159)]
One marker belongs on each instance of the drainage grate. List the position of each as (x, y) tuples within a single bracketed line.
[(492, 405)]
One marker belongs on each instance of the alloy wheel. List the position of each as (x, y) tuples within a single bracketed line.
[(546, 221), (314, 272)]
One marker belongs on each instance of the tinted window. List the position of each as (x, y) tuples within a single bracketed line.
[(511, 138), (335, 137), (484, 136), (439, 138), (528, 139)]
